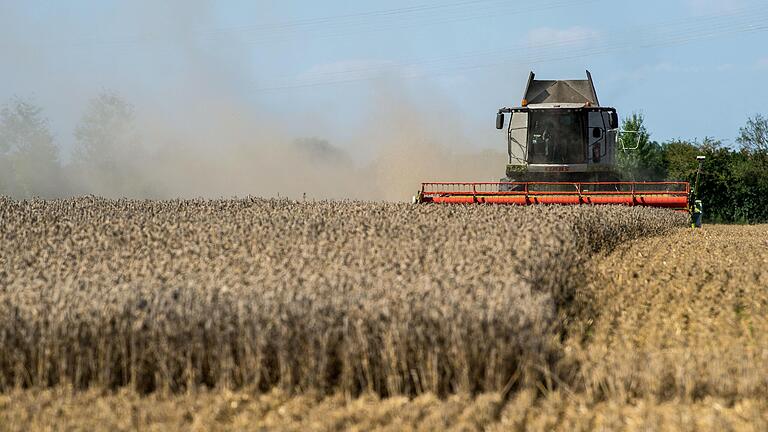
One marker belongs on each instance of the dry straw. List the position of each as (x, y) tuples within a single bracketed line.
[(328, 296)]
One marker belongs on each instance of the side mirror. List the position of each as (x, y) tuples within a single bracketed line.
[(499, 120), (637, 139), (597, 133), (614, 120)]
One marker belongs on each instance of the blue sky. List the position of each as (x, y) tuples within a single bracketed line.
[(695, 68)]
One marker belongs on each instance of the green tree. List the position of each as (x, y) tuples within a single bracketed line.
[(638, 157), (750, 171), (30, 159), (107, 153), (716, 185), (753, 137), (679, 159), (734, 182)]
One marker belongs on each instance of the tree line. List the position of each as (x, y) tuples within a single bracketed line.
[(105, 159), (733, 184)]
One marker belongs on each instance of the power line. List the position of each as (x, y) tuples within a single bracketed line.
[(354, 29), (515, 49), (341, 25), (705, 29)]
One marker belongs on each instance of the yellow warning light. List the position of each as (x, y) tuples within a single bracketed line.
[(524, 102)]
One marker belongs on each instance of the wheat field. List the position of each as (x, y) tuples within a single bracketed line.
[(281, 315)]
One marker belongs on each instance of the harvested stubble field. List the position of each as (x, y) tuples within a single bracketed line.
[(269, 314)]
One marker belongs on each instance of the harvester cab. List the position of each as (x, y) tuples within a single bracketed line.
[(562, 149), (560, 132)]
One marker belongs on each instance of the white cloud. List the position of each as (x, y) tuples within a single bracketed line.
[(675, 68), (702, 7), (645, 71), (571, 37)]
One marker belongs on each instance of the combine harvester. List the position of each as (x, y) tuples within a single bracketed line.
[(562, 149)]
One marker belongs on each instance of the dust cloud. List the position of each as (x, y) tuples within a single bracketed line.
[(229, 152), (199, 134), (417, 145)]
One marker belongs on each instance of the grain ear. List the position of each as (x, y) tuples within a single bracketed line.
[(330, 296)]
